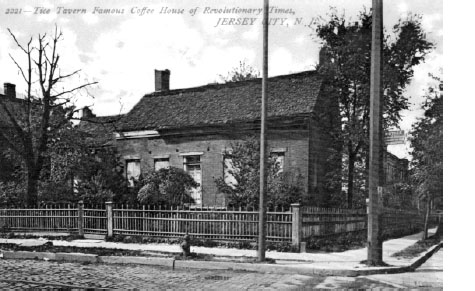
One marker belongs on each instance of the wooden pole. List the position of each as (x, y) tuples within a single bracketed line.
[(375, 250), (261, 250), (81, 218)]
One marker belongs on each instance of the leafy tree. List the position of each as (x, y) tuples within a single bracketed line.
[(98, 172), (346, 58), (241, 183), (170, 187), (100, 178), (11, 193), (427, 153), (75, 171), (47, 107), (241, 73)]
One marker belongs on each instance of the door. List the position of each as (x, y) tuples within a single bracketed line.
[(193, 167), (195, 173)]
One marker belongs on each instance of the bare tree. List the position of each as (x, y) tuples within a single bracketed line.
[(35, 120)]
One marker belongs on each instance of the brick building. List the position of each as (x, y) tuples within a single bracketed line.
[(396, 169), (398, 193), (192, 129), (8, 99)]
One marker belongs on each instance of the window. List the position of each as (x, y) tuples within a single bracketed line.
[(228, 168), (192, 165), (162, 163), (75, 184), (133, 171), (278, 158)]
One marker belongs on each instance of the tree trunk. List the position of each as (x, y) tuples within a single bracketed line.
[(32, 189), (351, 172), (426, 221), (33, 177)]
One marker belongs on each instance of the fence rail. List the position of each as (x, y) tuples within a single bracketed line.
[(295, 226)]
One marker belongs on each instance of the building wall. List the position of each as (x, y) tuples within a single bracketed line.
[(295, 144), (396, 170), (324, 149)]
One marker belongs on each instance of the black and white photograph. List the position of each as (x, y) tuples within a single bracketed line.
[(253, 144)]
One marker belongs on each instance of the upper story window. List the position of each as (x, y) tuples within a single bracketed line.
[(161, 163), (191, 161), (132, 171)]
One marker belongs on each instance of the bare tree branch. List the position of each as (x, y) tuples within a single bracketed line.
[(19, 67), (16, 41), (55, 80), (74, 89)]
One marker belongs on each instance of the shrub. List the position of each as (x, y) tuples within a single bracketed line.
[(169, 187)]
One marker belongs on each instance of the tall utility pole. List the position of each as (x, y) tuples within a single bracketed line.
[(375, 249), (261, 249)]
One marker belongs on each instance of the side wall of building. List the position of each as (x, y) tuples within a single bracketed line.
[(324, 148)]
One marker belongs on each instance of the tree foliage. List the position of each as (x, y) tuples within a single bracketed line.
[(399, 196), (75, 171), (427, 144), (100, 177), (346, 57), (47, 107), (242, 190), (242, 72)]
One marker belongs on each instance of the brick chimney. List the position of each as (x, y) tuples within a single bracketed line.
[(162, 80), (87, 113), (9, 90)]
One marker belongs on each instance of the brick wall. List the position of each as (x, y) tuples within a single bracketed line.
[(294, 142)]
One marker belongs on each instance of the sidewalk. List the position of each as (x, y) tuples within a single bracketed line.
[(342, 263)]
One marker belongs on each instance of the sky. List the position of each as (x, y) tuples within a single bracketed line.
[(120, 43)]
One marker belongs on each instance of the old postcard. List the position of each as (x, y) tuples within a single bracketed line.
[(221, 144)]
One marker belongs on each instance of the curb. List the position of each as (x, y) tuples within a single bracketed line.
[(165, 262), (404, 269), (63, 257), (216, 265), (421, 260)]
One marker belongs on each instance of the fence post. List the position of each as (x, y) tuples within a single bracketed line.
[(110, 229), (81, 218), (296, 226)]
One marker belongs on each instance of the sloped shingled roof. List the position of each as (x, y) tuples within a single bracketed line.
[(289, 95)]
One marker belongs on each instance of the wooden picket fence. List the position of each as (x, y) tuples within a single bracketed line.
[(395, 221), (296, 225), (206, 223), (319, 222), (61, 218)]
